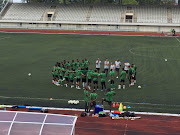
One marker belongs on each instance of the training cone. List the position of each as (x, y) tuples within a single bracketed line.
[(117, 105), (121, 107), (124, 107), (114, 104)]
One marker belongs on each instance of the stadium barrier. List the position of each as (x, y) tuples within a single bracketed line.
[(137, 27)]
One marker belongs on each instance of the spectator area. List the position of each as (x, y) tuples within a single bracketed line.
[(93, 13)]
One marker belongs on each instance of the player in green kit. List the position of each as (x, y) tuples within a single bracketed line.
[(73, 65), (93, 98), (77, 64), (122, 79), (86, 99), (71, 77), (78, 77), (89, 75), (68, 65), (132, 76), (86, 63), (112, 76), (82, 64), (54, 74), (95, 79), (108, 97), (66, 75), (135, 68), (61, 71), (84, 74), (103, 76), (130, 72)]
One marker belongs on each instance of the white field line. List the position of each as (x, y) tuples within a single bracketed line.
[(83, 100), (131, 51), (177, 39), (3, 38)]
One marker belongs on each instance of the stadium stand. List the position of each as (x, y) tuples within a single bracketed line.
[(71, 13), (176, 15), (151, 14), (95, 13), (25, 12), (106, 17), (107, 13)]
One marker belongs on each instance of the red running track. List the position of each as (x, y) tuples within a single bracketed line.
[(84, 32), (147, 125)]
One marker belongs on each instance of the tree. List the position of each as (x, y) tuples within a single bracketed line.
[(129, 2)]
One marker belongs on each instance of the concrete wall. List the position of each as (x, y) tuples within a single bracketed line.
[(97, 27)]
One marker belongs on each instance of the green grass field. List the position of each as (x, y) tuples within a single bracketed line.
[(21, 54)]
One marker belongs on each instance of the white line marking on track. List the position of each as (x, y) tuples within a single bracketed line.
[(9, 131), (125, 130)]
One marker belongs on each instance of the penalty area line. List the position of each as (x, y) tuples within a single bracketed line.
[(177, 39)]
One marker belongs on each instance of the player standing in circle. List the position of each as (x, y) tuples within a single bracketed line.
[(77, 64), (95, 79), (98, 65), (89, 75), (126, 67), (68, 65), (66, 75), (86, 63), (118, 65), (84, 74), (112, 76), (78, 76), (82, 65), (112, 66), (71, 77), (122, 79), (73, 65), (106, 66), (103, 75)]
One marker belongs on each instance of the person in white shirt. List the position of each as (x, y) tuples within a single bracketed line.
[(112, 66), (118, 65), (106, 66), (126, 67), (98, 64)]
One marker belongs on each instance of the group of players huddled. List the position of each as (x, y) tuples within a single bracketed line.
[(67, 71)]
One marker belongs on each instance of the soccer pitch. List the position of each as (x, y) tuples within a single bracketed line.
[(21, 54)]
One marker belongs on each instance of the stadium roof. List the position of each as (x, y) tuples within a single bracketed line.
[(30, 123)]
